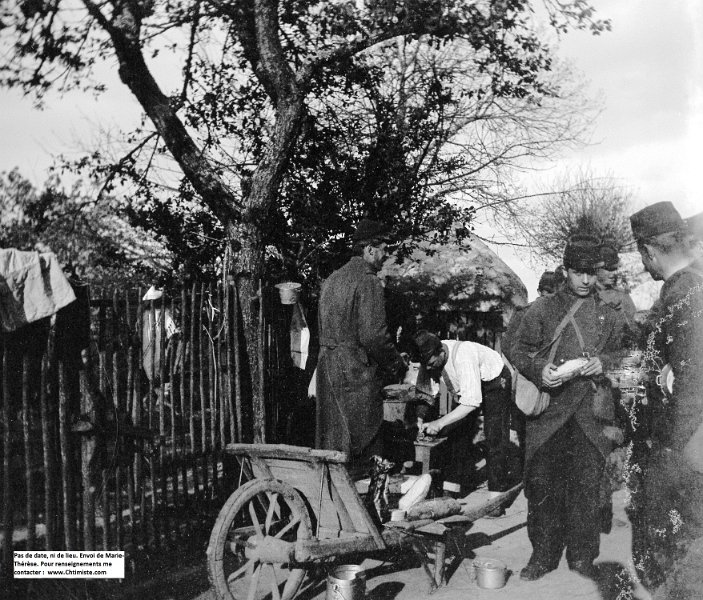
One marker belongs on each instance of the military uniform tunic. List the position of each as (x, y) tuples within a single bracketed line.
[(673, 492), (565, 445)]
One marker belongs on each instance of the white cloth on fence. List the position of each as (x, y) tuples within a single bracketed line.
[(299, 337), (152, 352), (32, 287)]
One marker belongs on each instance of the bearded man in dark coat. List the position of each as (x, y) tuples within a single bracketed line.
[(670, 562), (566, 445), (357, 354)]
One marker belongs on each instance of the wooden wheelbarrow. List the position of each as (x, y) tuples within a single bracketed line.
[(300, 509)]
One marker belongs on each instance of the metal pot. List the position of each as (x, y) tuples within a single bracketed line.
[(490, 573), (346, 582)]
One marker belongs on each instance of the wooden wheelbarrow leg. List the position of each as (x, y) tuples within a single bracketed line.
[(439, 555), (421, 553)]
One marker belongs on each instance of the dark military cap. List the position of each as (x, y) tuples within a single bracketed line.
[(371, 232), (428, 344), (695, 226), (609, 256), (546, 282), (582, 253), (656, 219)]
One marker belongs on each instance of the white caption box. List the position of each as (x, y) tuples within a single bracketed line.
[(69, 564)]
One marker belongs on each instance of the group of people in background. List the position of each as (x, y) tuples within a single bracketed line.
[(581, 317)]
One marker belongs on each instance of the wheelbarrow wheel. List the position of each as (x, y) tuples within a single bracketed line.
[(259, 509)]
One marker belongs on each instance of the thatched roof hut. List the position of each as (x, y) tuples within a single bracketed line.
[(460, 288)]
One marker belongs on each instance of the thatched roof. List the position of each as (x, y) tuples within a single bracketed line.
[(467, 278)]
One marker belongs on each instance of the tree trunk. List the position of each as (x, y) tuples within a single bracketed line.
[(247, 245)]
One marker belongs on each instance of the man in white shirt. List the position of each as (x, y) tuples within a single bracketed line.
[(475, 376)]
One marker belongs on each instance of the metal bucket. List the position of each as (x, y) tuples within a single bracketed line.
[(346, 582), (490, 573), (289, 292)]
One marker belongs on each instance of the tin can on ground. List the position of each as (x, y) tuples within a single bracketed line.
[(490, 573), (346, 582)]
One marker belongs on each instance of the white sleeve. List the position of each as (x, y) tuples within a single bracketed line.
[(468, 373)]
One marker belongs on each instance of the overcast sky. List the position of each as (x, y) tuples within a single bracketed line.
[(649, 70)]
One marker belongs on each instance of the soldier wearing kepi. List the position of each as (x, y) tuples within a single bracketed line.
[(673, 478), (606, 285), (357, 355), (566, 446)]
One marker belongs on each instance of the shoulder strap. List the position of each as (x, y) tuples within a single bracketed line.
[(569, 317)]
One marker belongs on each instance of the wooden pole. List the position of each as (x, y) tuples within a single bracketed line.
[(237, 365), (260, 419), (47, 448), (66, 463), (7, 508), (230, 364), (203, 412), (26, 431), (191, 369)]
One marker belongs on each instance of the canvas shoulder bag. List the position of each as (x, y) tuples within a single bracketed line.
[(528, 397)]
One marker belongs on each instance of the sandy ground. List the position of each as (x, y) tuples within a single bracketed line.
[(505, 539)]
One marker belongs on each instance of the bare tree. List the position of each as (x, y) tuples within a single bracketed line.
[(579, 202)]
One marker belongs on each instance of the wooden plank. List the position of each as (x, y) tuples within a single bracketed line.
[(314, 549), (354, 504), (285, 451), (348, 500)]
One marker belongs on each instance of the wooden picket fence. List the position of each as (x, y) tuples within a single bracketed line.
[(126, 453)]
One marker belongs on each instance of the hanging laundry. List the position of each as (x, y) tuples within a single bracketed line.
[(299, 337), (32, 286)]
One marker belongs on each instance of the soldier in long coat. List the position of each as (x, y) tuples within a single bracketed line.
[(357, 354), (565, 445), (672, 516)]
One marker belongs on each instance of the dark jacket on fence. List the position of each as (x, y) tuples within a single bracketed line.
[(357, 357), (600, 328)]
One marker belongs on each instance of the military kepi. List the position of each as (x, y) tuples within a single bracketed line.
[(609, 256), (371, 232), (582, 253), (656, 219), (546, 282)]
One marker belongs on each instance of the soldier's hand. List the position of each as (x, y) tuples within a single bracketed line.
[(549, 378), (431, 428), (593, 367)]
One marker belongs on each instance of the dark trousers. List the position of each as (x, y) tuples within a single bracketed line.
[(496, 428), (562, 486)]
